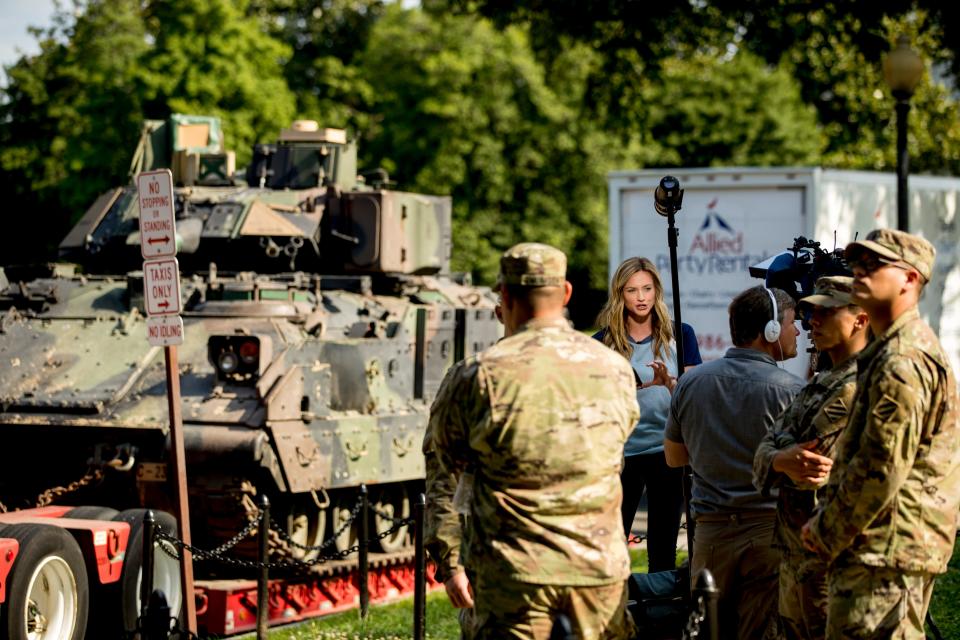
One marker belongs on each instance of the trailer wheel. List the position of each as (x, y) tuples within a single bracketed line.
[(49, 596), (166, 570)]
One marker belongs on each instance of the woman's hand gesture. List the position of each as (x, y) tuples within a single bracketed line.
[(661, 376)]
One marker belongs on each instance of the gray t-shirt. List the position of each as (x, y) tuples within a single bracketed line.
[(720, 411)]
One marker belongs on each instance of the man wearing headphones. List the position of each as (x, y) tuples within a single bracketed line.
[(719, 413)]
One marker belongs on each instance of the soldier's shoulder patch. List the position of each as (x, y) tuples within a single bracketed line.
[(885, 408), (836, 410)]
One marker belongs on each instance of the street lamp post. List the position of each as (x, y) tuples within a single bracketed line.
[(902, 69)]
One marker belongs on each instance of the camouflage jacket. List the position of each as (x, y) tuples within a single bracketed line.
[(539, 421), (893, 499), (818, 412)]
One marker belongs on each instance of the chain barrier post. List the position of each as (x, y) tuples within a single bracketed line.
[(156, 626), (146, 581), (262, 584), (706, 588), (420, 569), (364, 544)]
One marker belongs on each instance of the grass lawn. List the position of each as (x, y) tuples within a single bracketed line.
[(395, 621)]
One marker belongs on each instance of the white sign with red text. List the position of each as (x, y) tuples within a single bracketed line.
[(161, 287), (165, 331), (158, 233)]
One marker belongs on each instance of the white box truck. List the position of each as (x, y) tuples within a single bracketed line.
[(733, 218)]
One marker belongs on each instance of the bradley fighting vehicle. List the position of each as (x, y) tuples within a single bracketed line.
[(320, 316)]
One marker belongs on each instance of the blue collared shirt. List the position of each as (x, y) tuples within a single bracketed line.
[(720, 411)]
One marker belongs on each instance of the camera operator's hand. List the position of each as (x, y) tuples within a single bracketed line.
[(803, 466), (661, 377)]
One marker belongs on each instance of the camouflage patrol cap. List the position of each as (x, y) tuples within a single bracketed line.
[(893, 244), (532, 264), (831, 291)]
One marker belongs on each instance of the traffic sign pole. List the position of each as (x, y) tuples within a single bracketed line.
[(161, 292), (180, 473)]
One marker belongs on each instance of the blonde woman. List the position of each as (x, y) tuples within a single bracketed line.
[(635, 323)]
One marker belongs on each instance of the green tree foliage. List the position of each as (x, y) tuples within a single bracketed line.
[(70, 116), (833, 49), (518, 110), (326, 37), (709, 111), (846, 85), (465, 109), (63, 116), (209, 57)]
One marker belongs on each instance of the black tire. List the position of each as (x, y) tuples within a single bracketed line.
[(53, 551), (129, 584), (91, 513)]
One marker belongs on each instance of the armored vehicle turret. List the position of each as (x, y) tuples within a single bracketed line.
[(320, 315)]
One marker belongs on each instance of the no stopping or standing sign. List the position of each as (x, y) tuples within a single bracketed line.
[(158, 233)]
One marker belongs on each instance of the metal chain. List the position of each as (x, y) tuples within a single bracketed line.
[(275, 543), (203, 554), (387, 517), (695, 619), (323, 545), (48, 496), (235, 540)]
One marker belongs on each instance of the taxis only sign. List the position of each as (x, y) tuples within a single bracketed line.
[(161, 287)]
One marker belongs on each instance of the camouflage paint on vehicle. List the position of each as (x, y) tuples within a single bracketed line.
[(342, 290)]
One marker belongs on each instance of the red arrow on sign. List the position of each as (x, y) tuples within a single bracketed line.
[(163, 304), (164, 240)]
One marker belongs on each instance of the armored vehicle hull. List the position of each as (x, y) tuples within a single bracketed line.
[(319, 318)]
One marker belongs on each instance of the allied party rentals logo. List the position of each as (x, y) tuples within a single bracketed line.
[(716, 235)]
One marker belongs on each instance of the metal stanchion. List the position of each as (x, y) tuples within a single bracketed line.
[(156, 626), (364, 544), (420, 569), (146, 578), (706, 588), (263, 536)]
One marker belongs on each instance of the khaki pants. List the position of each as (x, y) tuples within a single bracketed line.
[(737, 550), (506, 608), (803, 598), (877, 602)]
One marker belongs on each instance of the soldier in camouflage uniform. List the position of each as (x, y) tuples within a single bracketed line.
[(525, 442), (889, 517), (797, 453)]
